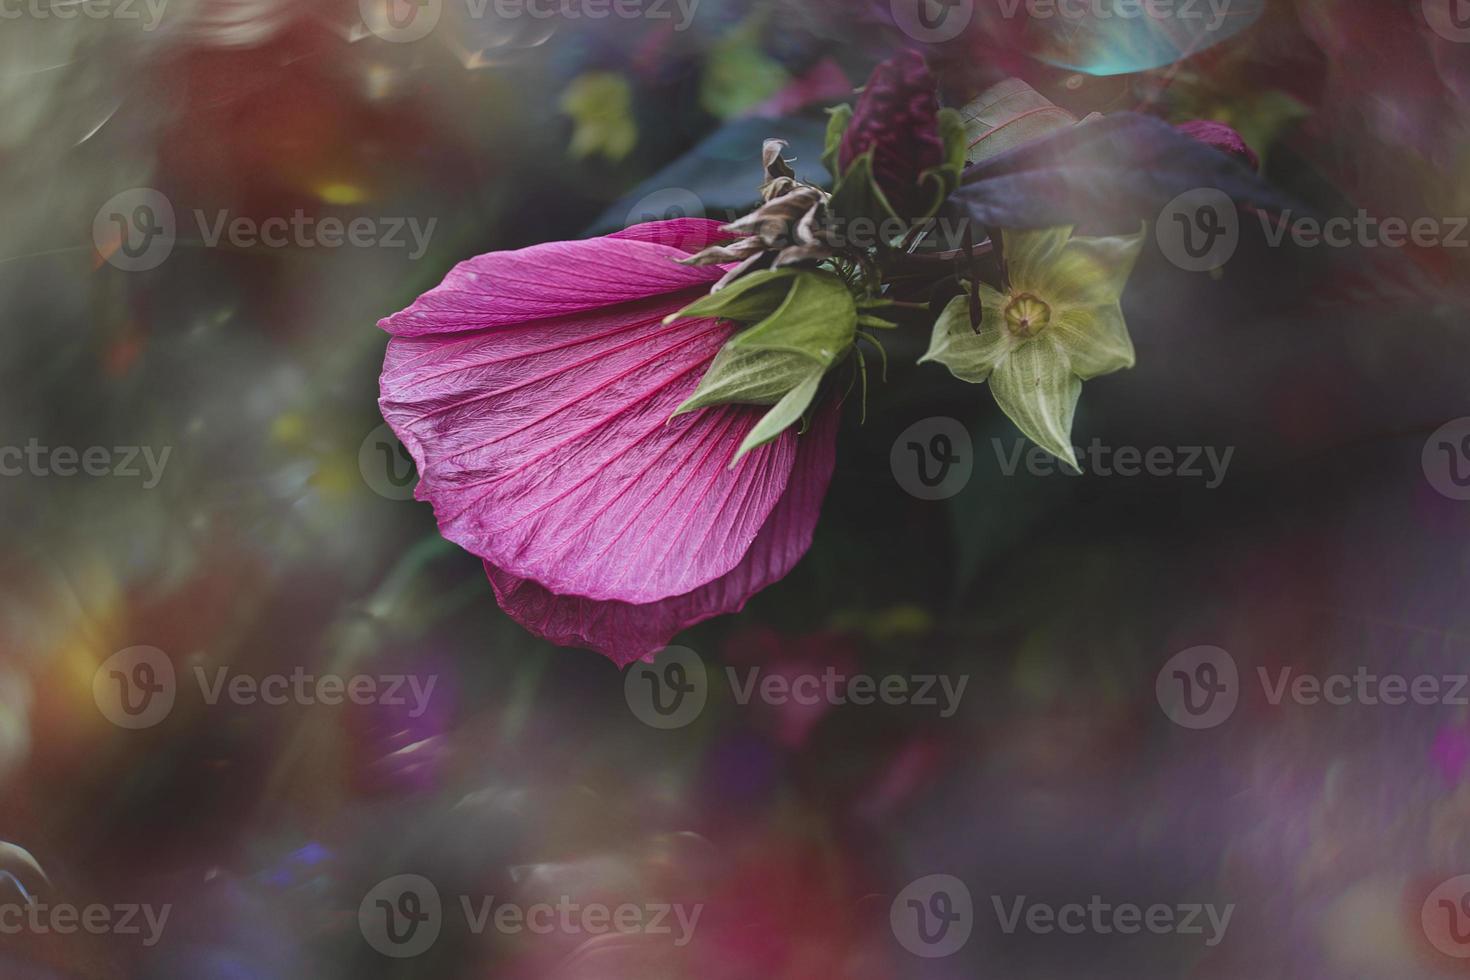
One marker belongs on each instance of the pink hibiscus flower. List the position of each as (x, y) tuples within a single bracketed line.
[(535, 389)]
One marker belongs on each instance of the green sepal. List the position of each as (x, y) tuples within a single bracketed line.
[(746, 300), (817, 320), (837, 119), (857, 194), (748, 377), (807, 321), (788, 410), (946, 177)]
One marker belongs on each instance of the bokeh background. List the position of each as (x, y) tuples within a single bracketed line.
[(277, 534)]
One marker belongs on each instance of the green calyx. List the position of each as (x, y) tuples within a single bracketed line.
[(802, 321)]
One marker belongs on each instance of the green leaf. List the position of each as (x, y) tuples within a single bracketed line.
[(1008, 114), (782, 414), (837, 121), (1037, 390)]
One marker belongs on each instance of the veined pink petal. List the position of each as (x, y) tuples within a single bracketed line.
[(626, 632), (686, 234), (541, 424), (560, 278)]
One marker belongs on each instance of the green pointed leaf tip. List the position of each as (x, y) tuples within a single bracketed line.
[(747, 300), (1058, 324), (807, 322), (837, 121)]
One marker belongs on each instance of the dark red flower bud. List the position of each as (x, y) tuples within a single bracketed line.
[(897, 118), (1222, 138)]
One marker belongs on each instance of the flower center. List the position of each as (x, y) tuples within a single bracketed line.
[(1026, 315)]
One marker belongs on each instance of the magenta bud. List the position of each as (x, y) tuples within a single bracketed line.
[(897, 117)]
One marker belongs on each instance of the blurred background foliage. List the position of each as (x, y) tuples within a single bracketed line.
[(266, 547)]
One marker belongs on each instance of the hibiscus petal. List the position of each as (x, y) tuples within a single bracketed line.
[(626, 632), (560, 278), (687, 234), (547, 448)]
